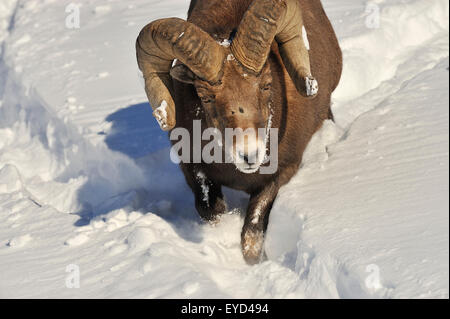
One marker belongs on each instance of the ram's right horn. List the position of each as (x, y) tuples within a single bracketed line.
[(163, 41)]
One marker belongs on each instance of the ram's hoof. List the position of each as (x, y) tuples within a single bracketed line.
[(252, 243)]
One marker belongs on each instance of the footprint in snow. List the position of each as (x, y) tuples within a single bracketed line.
[(77, 240), (18, 242)]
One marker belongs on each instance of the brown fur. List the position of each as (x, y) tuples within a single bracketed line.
[(296, 117)]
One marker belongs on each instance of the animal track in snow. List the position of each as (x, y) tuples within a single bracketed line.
[(77, 240), (18, 242)]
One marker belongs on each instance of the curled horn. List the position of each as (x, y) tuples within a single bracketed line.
[(163, 41), (264, 21)]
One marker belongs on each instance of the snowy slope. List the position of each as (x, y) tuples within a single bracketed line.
[(86, 180)]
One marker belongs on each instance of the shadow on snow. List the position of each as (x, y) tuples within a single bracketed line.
[(135, 133)]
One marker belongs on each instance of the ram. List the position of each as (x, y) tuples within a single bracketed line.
[(270, 64)]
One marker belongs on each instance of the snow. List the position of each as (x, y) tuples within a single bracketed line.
[(225, 43), (312, 87), (201, 178), (86, 181), (161, 114)]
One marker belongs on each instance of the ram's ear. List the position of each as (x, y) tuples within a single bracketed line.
[(182, 73)]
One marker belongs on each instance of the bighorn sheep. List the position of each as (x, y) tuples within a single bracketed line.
[(260, 77)]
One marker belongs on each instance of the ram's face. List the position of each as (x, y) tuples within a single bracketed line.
[(240, 104)]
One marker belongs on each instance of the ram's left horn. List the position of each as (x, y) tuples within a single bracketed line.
[(280, 20)]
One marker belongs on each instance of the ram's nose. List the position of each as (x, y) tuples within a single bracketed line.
[(249, 158)]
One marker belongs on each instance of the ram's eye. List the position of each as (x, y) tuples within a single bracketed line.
[(207, 100), (267, 87)]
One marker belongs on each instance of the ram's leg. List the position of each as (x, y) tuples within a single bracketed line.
[(255, 225), (209, 199)]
